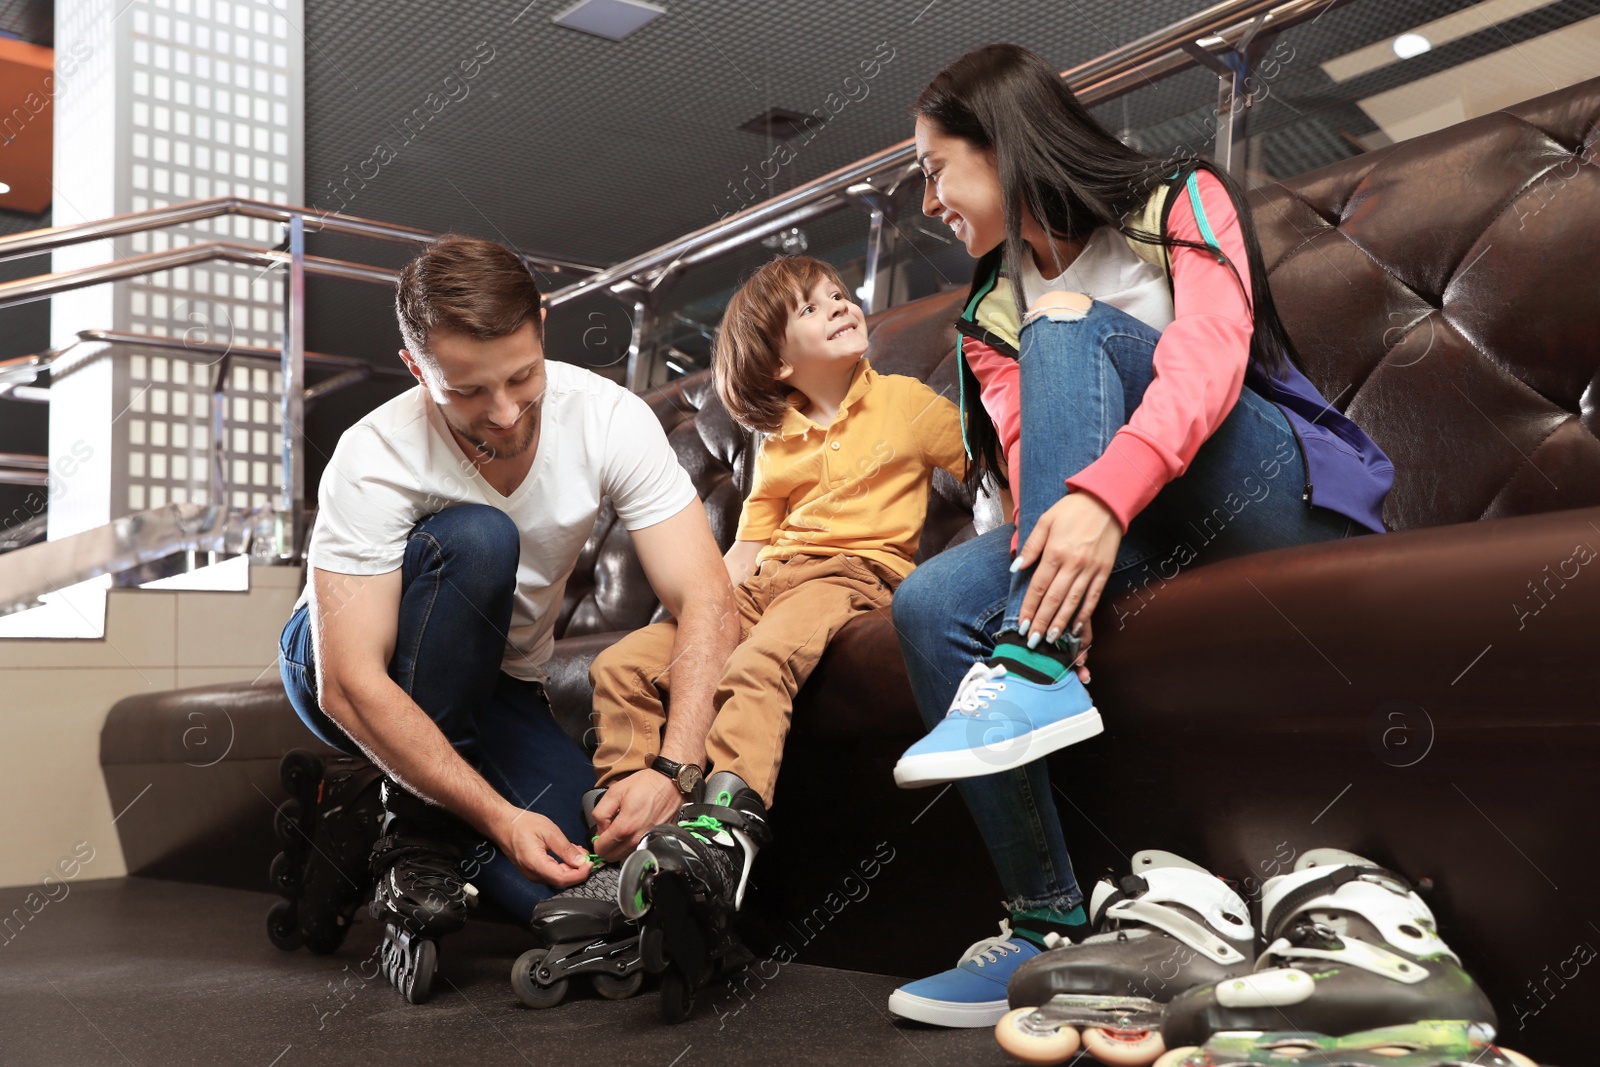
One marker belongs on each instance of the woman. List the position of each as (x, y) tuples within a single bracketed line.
[(1125, 373)]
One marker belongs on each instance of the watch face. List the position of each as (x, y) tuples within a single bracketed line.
[(688, 778)]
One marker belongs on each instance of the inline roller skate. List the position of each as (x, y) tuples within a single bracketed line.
[(326, 827), (1424, 1044), (421, 895), (1169, 925), (685, 883), (584, 932), (1354, 965)]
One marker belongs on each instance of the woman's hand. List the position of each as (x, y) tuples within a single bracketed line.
[(1074, 545)]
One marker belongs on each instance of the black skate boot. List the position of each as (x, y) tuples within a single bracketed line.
[(421, 895), (685, 883), (1169, 925), (326, 827), (1354, 973), (584, 932)]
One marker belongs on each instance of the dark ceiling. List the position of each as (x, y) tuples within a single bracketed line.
[(596, 150)]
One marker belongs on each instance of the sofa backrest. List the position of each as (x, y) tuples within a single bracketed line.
[(1443, 292)]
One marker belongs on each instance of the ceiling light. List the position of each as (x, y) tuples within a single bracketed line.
[(4, 188), (790, 242), (1411, 44), (612, 19)]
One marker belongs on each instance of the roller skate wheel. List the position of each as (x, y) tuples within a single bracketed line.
[(614, 987), (423, 959), (1123, 1048), (652, 949), (1177, 1056), (1032, 1043), (525, 983), (283, 926), (286, 822), (298, 770), (632, 884), (677, 999), (1517, 1059), (283, 876)]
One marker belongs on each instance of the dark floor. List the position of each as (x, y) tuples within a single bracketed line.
[(135, 971)]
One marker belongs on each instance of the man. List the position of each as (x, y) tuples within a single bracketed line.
[(449, 521)]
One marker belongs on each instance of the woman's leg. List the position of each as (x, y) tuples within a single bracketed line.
[(1082, 377), (1244, 493), (946, 615)]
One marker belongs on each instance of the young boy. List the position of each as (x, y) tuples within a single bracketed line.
[(829, 530)]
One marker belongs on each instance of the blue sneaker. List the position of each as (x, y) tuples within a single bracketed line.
[(1007, 712), (973, 992)]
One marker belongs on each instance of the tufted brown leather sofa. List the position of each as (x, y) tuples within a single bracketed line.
[(1430, 697)]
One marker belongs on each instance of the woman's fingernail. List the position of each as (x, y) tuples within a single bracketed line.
[(1052, 635), (1022, 627), (1016, 565), (1077, 631), (1033, 639)]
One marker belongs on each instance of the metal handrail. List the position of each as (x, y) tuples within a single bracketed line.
[(141, 537), (36, 241), (1154, 56), (42, 285)]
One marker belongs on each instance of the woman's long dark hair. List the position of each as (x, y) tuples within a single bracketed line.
[(1073, 176)]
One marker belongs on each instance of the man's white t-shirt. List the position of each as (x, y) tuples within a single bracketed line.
[(400, 464)]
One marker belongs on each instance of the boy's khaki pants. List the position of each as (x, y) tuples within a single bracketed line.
[(789, 611)]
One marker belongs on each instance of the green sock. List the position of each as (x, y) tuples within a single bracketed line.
[(1044, 665), (1038, 922)]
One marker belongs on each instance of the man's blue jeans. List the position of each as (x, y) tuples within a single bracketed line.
[(1082, 378), (455, 606)]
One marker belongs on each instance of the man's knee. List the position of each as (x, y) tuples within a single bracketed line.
[(483, 537), (1059, 305)]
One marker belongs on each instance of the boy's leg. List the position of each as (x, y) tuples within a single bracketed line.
[(630, 682), (802, 604)]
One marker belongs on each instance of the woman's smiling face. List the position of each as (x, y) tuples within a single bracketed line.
[(963, 188)]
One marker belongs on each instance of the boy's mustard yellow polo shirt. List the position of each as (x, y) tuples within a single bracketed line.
[(860, 486)]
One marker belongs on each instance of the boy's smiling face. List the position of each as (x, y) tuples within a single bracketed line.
[(824, 327)]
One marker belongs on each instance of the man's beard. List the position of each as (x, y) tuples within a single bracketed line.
[(507, 447)]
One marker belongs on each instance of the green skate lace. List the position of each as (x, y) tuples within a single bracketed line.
[(707, 822)]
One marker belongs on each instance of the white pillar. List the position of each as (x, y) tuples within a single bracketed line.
[(160, 102)]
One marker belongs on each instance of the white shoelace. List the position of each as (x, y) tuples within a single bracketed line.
[(981, 685), (990, 949)]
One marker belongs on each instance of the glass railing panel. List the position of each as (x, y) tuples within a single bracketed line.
[(1365, 75)]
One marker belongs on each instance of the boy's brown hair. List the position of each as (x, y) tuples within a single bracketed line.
[(749, 348), (464, 285)]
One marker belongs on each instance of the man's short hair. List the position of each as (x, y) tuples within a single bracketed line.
[(749, 348), (464, 285)]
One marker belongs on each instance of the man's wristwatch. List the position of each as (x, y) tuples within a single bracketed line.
[(686, 776)]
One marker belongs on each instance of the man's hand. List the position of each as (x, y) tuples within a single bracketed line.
[(528, 840), (642, 800)]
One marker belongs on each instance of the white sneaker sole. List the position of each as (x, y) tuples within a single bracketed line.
[(943, 1013), (934, 768)]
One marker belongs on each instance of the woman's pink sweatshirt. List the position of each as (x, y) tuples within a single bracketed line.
[(1199, 364)]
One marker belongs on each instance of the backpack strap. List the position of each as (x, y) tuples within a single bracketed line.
[(1152, 218)]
